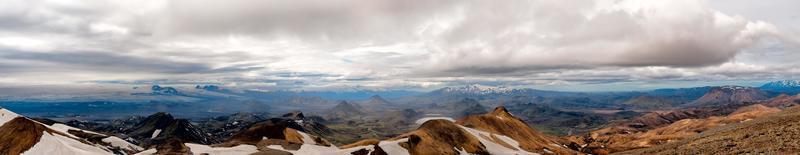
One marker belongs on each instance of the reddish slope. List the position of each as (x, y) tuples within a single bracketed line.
[(606, 140), (770, 134), (783, 101)]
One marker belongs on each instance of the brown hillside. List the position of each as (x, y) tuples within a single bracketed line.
[(771, 134), (501, 122), (783, 101), (441, 137), (621, 141)]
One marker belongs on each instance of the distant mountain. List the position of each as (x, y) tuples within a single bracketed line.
[(479, 91), (161, 127), (786, 86), (723, 95), (376, 100), (473, 109), (459, 104), (158, 90), (356, 94), (343, 110), (679, 95), (476, 90), (460, 108), (21, 135)]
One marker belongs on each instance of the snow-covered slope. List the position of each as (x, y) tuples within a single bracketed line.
[(20, 135), (55, 144)]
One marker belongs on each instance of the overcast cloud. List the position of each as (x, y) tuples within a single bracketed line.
[(385, 44)]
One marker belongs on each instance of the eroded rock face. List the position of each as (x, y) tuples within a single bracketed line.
[(269, 129), (20, 134), (160, 127), (275, 128)]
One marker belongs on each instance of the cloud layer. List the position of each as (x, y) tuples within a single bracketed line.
[(305, 44)]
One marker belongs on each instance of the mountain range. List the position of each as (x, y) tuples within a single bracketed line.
[(787, 86), (451, 120)]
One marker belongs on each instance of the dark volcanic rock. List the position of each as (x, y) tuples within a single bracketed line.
[(223, 127), (158, 128)]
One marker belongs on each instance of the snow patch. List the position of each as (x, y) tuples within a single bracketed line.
[(495, 148), (307, 149), (119, 142), (307, 139), (393, 147), (56, 144), (155, 133), (236, 150), (425, 119), (6, 116), (64, 129)]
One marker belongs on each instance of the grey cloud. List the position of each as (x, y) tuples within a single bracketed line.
[(338, 21), (108, 62), (495, 42), (512, 36)]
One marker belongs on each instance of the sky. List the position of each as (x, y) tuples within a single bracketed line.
[(572, 45)]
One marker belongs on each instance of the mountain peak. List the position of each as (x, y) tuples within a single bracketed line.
[(161, 126), (377, 100), (343, 110), (500, 121), (344, 104), (500, 111), (295, 115)]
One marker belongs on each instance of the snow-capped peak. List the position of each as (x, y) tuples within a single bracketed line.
[(478, 89), (782, 84)]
